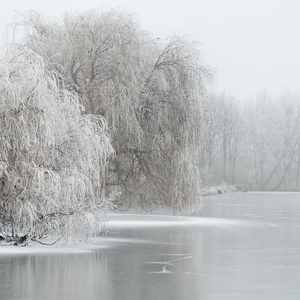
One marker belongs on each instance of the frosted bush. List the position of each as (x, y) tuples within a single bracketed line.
[(212, 191)]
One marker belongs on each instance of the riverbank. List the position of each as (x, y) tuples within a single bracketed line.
[(287, 188), (157, 207), (220, 189)]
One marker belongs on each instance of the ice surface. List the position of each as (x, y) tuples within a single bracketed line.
[(243, 246)]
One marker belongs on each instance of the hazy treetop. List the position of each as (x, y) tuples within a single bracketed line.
[(252, 44)]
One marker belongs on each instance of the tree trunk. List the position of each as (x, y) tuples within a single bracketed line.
[(267, 181), (281, 181), (298, 169), (224, 158)]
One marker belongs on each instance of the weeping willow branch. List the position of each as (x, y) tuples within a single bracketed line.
[(53, 159)]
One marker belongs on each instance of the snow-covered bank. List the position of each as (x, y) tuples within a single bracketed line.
[(159, 208), (120, 222), (221, 189), (77, 248), (146, 221)]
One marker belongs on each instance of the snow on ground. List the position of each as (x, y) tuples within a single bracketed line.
[(132, 220), (122, 221), (54, 249)]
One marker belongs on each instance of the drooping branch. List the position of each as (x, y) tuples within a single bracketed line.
[(53, 158)]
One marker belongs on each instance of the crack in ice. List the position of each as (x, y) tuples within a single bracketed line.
[(168, 263)]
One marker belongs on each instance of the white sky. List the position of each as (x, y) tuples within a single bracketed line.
[(252, 44)]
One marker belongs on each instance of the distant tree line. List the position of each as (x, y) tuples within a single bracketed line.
[(254, 144)]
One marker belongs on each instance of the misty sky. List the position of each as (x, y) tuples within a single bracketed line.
[(252, 44)]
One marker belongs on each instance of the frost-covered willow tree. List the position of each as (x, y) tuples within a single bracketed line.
[(53, 159), (148, 91)]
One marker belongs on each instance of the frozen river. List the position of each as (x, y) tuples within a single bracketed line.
[(241, 246)]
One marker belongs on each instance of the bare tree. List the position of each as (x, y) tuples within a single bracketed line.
[(53, 159), (260, 136), (223, 139), (288, 128)]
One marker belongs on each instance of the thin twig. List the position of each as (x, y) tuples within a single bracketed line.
[(46, 244)]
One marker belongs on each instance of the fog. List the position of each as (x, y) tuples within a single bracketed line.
[(250, 44)]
